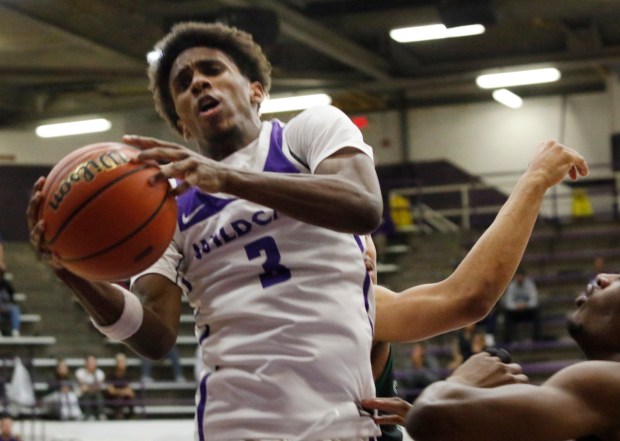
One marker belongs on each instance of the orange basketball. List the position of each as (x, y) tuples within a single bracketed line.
[(104, 221)]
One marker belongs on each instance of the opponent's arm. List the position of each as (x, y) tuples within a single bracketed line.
[(475, 286), (343, 194), (578, 401), (105, 303), (480, 370)]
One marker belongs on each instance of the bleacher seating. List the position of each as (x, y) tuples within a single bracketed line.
[(559, 258), (187, 340), (28, 340)]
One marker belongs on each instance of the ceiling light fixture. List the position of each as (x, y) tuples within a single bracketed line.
[(434, 32), (518, 78), (507, 98), (275, 105), (73, 128)]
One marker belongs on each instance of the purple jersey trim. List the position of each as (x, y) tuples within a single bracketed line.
[(196, 206), (276, 159), (359, 242), (366, 286)]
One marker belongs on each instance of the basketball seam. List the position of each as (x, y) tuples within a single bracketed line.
[(117, 243), (89, 200)]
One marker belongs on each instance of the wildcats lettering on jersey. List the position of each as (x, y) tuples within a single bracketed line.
[(237, 228)]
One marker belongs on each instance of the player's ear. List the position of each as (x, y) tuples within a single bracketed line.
[(186, 134), (257, 92)]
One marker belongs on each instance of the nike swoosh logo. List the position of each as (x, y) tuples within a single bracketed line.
[(186, 219)]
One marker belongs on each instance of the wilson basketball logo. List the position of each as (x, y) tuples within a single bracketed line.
[(86, 172), (105, 218)]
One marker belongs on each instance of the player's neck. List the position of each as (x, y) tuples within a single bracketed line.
[(229, 142)]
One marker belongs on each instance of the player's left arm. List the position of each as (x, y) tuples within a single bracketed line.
[(578, 401), (341, 194)]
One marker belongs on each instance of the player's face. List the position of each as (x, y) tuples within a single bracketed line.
[(211, 96), (595, 324), (370, 259)]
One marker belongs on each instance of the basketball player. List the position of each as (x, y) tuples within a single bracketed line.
[(472, 290), (579, 402), (265, 212)]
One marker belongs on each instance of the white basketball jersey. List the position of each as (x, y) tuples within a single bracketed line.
[(283, 309)]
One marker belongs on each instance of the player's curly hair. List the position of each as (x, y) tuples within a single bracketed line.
[(237, 44)]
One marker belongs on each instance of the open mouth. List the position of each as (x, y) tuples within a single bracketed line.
[(207, 104)]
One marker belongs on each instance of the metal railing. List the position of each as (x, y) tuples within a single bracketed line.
[(557, 206)]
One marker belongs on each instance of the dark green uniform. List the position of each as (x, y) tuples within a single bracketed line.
[(386, 387)]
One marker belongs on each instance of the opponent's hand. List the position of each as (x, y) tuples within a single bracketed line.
[(553, 161), (485, 370), (395, 409), (36, 226), (177, 161)]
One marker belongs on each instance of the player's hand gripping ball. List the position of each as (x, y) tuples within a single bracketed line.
[(104, 221)]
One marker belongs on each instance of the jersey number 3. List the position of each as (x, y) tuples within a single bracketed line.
[(274, 271)]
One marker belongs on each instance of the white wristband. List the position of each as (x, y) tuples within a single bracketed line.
[(130, 320)]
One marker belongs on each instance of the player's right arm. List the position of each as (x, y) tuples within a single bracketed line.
[(468, 294), (578, 401), (105, 302)]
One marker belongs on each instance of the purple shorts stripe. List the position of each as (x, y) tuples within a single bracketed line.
[(204, 334), (200, 413)]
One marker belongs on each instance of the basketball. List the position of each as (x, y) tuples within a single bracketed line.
[(104, 221)]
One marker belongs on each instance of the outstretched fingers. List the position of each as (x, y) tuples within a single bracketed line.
[(555, 161), (395, 407), (389, 419), (145, 142), (162, 155), (580, 168), (32, 211), (515, 374)]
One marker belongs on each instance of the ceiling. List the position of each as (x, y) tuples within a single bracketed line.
[(67, 57)]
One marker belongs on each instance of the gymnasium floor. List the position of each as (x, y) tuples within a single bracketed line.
[(156, 430)]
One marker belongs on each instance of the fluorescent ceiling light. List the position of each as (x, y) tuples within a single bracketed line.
[(73, 128), (507, 98), (288, 104), (518, 78), (434, 32)]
